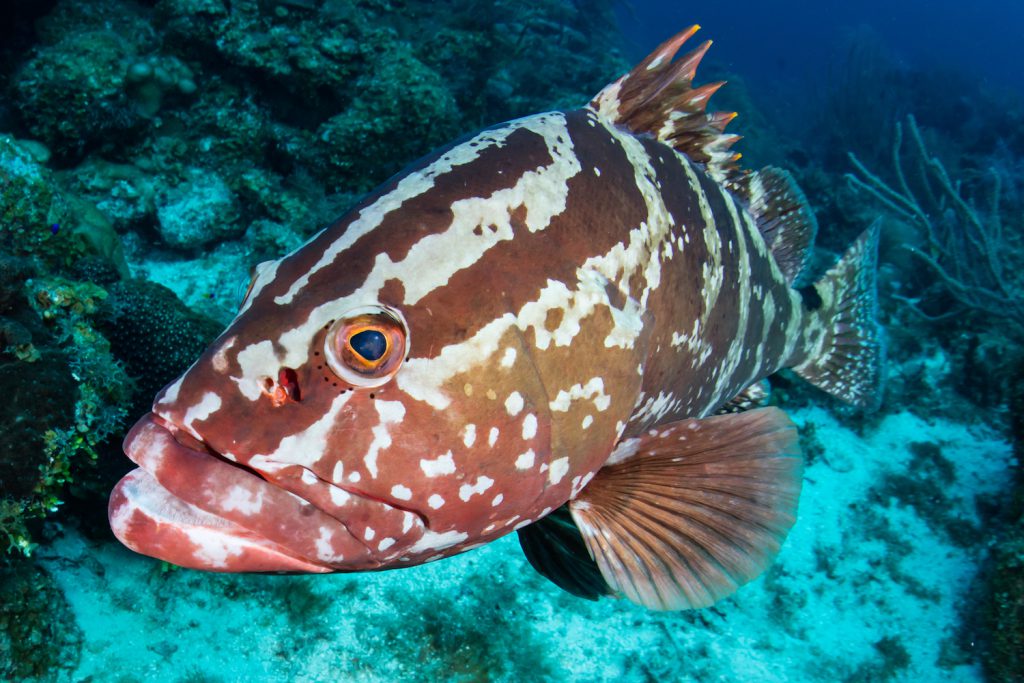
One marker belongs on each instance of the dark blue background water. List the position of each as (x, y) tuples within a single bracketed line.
[(798, 39)]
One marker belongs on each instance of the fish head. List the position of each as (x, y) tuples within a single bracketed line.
[(328, 445)]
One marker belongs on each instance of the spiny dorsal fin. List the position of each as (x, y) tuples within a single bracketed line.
[(783, 216), (843, 343), (754, 396), (555, 548), (658, 98), (694, 509)]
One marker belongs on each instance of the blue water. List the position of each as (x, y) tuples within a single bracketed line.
[(153, 153), (768, 41)]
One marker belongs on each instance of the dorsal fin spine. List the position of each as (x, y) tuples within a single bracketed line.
[(657, 98)]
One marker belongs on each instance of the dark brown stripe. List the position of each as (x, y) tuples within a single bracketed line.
[(429, 213), (599, 212), (678, 300)]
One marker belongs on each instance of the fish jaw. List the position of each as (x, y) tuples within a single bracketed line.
[(150, 520), (193, 508)]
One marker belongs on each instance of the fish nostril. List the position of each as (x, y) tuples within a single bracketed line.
[(288, 382), (285, 389)]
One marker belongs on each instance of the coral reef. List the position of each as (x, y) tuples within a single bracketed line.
[(66, 393), (39, 637), (361, 143), (66, 399), (154, 334), (40, 220), (231, 115), (72, 92), (1000, 608), (32, 209), (1004, 600), (944, 174), (37, 393)]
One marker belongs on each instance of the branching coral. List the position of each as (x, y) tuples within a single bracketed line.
[(966, 248)]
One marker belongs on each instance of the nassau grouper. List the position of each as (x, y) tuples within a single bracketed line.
[(559, 326)]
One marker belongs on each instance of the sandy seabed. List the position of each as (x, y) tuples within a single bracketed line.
[(869, 586)]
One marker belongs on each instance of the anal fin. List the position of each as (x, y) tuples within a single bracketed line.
[(699, 508), (754, 396)]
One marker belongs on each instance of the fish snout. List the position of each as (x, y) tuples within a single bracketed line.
[(188, 505)]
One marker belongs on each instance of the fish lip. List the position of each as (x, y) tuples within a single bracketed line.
[(184, 492), (180, 435)]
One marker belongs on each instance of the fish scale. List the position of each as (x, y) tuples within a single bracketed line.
[(559, 305)]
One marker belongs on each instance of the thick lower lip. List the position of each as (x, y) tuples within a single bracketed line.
[(194, 509)]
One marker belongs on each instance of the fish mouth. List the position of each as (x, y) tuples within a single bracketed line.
[(188, 505)]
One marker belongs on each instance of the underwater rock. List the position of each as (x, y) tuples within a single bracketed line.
[(71, 94), (123, 192), (197, 212)]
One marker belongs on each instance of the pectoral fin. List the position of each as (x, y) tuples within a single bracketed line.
[(689, 512)]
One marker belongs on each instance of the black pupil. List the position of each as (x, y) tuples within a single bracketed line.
[(370, 344)]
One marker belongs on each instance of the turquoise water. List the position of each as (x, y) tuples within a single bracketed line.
[(152, 154)]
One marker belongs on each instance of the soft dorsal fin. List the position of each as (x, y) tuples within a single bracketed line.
[(783, 216), (754, 396), (699, 508), (657, 98)]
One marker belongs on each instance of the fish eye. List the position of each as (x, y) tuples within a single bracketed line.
[(366, 346)]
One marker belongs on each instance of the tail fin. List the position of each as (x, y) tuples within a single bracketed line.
[(843, 343)]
